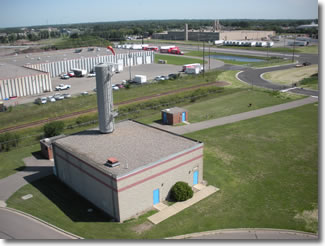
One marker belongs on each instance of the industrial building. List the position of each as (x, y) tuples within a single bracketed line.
[(173, 116), (215, 34), (30, 74), (125, 168), (18, 81)]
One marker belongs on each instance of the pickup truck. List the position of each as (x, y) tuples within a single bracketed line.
[(61, 87)]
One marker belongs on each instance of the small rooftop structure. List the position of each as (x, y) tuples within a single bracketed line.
[(172, 116), (46, 146)]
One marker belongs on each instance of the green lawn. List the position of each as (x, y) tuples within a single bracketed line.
[(12, 161), (310, 83), (30, 112), (313, 49), (228, 103), (267, 62), (266, 169), (292, 75), (176, 60)]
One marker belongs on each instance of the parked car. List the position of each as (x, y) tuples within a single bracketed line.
[(159, 78), (115, 88), (172, 76), (58, 96), (91, 74), (41, 100), (85, 93), (65, 76), (306, 63), (71, 74), (165, 77), (61, 87), (121, 86), (51, 99), (66, 95)]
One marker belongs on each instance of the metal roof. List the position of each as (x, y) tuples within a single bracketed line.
[(174, 110)]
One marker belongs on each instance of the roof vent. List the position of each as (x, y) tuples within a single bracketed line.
[(112, 162)]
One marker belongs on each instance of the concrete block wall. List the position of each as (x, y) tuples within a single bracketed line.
[(135, 191)]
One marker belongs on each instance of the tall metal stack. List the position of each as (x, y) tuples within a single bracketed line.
[(186, 32), (104, 72)]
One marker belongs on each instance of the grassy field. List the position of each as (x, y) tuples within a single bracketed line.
[(310, 83), (270, 181), (312, 49), (270, 61), (177, 60), (12, 161), (31, 112), (292, 75), (226, 104)]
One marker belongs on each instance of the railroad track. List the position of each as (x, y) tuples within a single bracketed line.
[(74, 114)]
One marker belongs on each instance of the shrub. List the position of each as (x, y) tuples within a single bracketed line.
[(8, 140), (181, 191), (54, 128)]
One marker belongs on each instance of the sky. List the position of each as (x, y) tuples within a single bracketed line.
[(43, 12)]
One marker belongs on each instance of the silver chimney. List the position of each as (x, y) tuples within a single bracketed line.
[(104, 73)]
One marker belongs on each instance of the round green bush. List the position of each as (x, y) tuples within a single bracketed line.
[(181, 191)]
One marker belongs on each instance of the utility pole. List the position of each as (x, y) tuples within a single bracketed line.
[(203, 60), (209, 58), (293, 50)]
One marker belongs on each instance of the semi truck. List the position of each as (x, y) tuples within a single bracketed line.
[(79, 72), (191, 66)]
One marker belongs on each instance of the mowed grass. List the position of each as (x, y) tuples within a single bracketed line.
[(225, 104), (31, 112), (266, 169), (11, 161), (266, 61), (177, 60), (292, 75)]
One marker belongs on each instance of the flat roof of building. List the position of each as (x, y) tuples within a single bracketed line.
[(174, 110), (133, 144), (9, 71), (58, 55)]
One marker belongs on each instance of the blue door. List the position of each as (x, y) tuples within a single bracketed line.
[(183, 116), (155, 196), (164, 117), (195, 177)]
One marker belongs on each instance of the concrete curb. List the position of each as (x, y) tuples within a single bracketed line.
[(73, 236), (198, 234)]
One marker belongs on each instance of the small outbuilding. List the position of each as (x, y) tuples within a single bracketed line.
[(173, 116)]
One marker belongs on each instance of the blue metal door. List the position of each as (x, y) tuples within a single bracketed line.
[(155, 196), (165, 118), (183, 116), (195, 177)]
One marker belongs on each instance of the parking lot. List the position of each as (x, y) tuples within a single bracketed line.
[(82, 84)]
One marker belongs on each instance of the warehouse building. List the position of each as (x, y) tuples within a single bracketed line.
[(125, 168), (18, 81), (215, 34), (173, 116), (30, 74)]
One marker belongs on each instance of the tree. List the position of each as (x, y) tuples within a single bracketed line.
[(54, 128), (181, 191)]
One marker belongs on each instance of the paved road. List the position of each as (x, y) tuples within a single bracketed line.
[(17, 226), (254, 76), (235, 118), (250, 234)]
